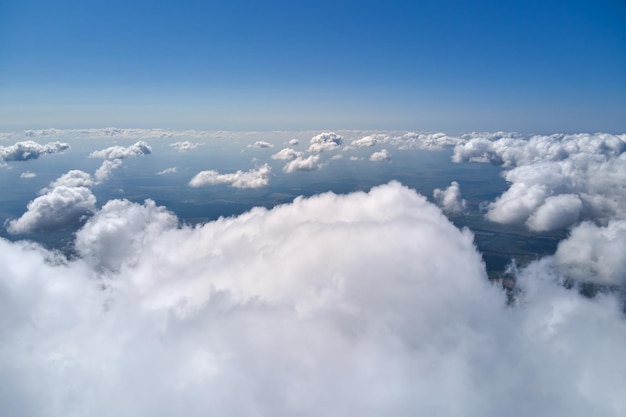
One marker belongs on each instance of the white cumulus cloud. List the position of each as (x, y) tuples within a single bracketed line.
[(25, 150), (287, 154), (326, 141), (381, 156), (260, 144), (310, 163), (254, 178), (450, 199), (119, 152), (60, 207), (364, 304)]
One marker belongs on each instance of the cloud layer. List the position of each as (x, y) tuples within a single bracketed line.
[(331, 305)]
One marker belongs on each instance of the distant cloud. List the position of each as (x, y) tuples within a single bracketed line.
[(287, 154), (261, 144), (327, 141), (450, 199), (185, 145), (167, 171), (28, 174), (293, 142), (119, 152), (555, 181), (311, 163), (367, 141), (254, 178), (381, 156), (23, 151)]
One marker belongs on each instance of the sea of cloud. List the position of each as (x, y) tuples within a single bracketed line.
[(368, 303), (365, 303)]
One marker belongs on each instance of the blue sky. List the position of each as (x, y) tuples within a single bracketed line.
[(531, 66)]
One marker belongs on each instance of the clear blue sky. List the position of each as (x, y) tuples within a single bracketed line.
[(531, 66)]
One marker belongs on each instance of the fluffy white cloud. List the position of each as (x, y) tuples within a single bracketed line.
[(555, 213), (369, 303), (326, 141), (105, 170), (427, 141), (595, 254), (28, 174), (166, 171), (311, 163), (287, 154), (254, 178), (293, 142), (367, 141), (61, 206), (184, 145), (119, 152), (555, 181), (513, 149), (23, 151), (72, 178), (261, 144), (381, 156), (450, 199)]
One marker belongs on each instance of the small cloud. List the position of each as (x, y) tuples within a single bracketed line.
[(254, 178), (450, 199), (287, 154), (106, 169), (261, 144), (356, 158), (28, 174), (381, 156), (303, 164), (185, 145), (167, 171), (293, 142)]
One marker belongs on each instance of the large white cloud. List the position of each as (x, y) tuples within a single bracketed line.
[(555, 181), (326, 141), (369, 303), (61, 206), (119, 152), (254, 178), (23, 151)]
